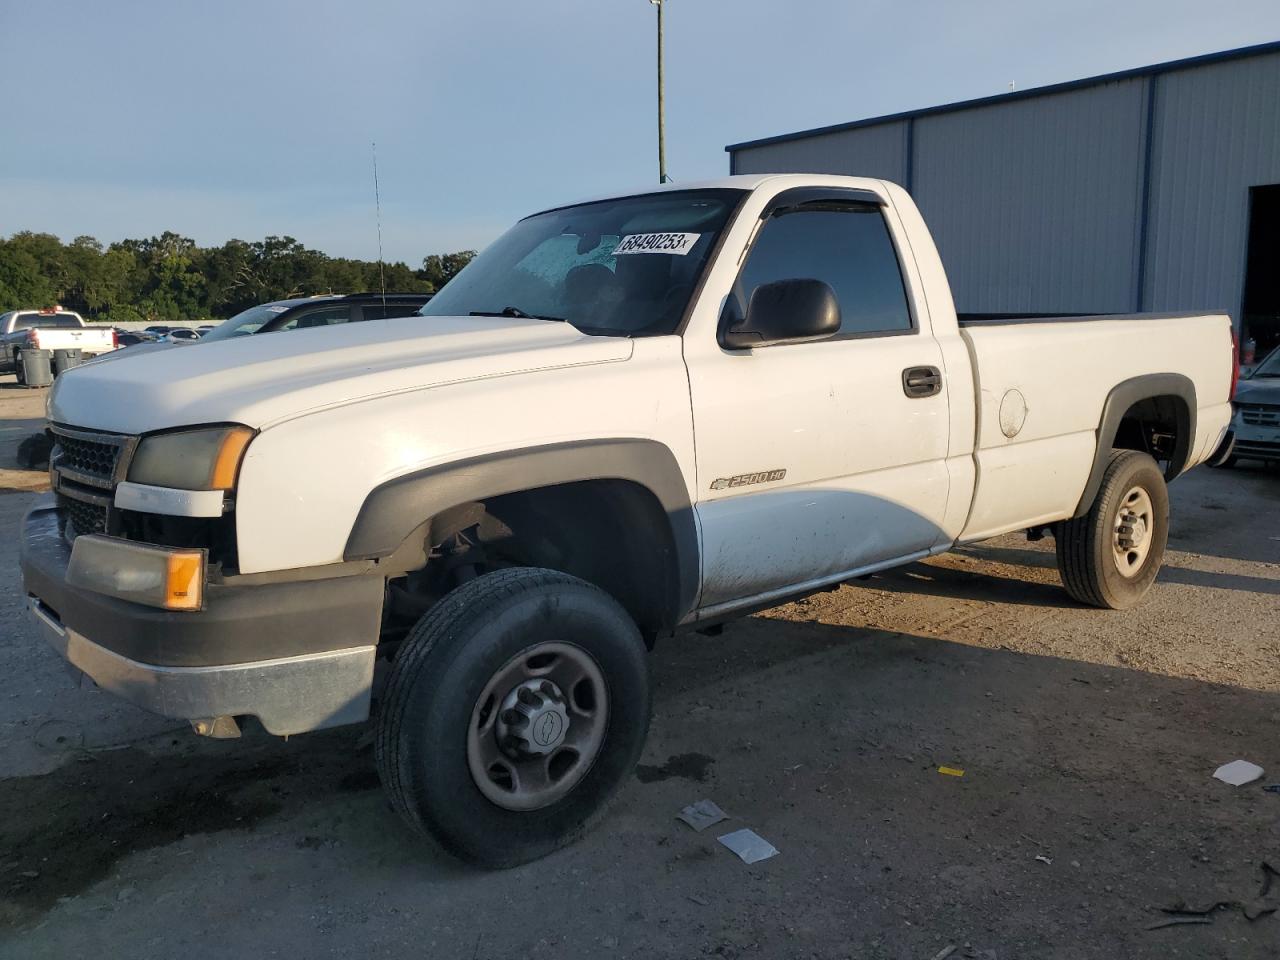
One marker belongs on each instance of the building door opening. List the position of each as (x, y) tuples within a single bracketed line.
[(1260, 310)]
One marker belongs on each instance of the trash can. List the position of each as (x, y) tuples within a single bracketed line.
[(64, 360), (34, 368)]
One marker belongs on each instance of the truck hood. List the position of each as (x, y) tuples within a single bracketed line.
[(263, 379)]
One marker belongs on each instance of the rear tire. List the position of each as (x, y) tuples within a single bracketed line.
[(1110, 556), (470, 694)]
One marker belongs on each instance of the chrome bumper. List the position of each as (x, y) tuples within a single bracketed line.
[(288, 695)]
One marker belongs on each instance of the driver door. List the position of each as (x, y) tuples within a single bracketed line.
[(816, 459)]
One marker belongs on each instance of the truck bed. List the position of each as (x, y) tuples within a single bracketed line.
[(1041, 384)]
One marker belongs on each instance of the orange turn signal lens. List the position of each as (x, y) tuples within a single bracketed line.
[(184, 581), (227, 464)]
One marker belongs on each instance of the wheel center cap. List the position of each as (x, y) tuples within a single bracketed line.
[(533, 719)]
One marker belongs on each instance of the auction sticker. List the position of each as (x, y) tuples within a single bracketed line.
[(671, 243)]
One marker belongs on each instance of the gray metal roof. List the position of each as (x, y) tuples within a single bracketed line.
[(1153, 69)]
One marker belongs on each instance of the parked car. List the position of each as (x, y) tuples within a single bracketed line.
[(158, 330), (183, 334), (326, 310), (205, 328), (131, 338), (1255, 425), (627, 419), (50, 329)]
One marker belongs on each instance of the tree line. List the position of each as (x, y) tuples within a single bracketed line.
[(169, 278)]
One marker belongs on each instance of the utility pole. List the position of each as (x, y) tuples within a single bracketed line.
[(662, 133)]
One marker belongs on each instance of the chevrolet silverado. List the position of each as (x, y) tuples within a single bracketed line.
[(629, 418)]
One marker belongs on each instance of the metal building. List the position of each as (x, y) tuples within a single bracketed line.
[(1150, 189)]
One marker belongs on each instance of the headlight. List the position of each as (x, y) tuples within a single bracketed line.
[(205, 459)]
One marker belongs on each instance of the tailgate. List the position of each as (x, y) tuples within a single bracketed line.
[(67, 338)]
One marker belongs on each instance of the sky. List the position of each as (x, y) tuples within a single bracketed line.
[(243, 119)]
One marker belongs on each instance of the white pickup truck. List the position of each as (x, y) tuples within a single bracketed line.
[(626, 419), (50, 329)]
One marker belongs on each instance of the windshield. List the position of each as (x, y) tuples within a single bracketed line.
[(1270, 367), (245, 322), (623, 267)]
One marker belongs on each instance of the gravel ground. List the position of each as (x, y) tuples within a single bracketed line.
[(1087, 739)]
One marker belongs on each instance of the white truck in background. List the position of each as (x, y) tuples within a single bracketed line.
[(50, 329), (626, 419)]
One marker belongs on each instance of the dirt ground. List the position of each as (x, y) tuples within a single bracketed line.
[(1088, 742)]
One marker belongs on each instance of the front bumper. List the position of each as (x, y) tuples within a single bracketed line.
[(1257, 443), (1257, 431), (297, 655)]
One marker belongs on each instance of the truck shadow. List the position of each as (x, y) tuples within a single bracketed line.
[(985, 585), (1169, 573), (62, 832)]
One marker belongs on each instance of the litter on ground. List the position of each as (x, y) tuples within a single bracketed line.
[(951, 771), (702, 814), (748, 845), (1238, 772)]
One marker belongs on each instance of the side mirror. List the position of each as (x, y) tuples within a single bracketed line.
[(786, 311)]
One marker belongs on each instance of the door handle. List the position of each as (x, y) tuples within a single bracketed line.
[(921, 382)]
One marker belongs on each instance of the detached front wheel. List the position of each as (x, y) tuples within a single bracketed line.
[(514, 711), (1111, 555)]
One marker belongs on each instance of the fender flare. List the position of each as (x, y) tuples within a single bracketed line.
[(1123, 396), (393, 510)]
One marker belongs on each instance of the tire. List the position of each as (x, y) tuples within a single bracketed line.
[(427, 739), (1096, 568)]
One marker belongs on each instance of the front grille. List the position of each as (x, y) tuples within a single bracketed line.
[(86, 466), (91, 458), (88, 457), (82, 517), (1260, 415)]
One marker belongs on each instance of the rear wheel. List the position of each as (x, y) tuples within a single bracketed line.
[(1111, 555), (514, 710)]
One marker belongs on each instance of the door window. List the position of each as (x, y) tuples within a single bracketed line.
[(847, 245)]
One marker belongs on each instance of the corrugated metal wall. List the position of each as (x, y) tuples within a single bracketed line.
[(1034, 203), (879, 151), (1217, 133), (1037, 204)]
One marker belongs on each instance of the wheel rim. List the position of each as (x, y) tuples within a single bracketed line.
[(1133, 533), (537, 726)]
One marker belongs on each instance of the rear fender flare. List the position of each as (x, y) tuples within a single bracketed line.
[(1123, 396)]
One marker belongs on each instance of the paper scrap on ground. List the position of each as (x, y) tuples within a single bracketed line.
[(951, 771), (748, 845), (702, 814), (1238, 772)]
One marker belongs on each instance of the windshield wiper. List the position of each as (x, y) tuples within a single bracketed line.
[(515, 313)]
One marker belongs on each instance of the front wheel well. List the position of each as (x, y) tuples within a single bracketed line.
[(614, 534)]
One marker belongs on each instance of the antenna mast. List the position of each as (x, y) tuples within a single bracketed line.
[(377, 206)]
